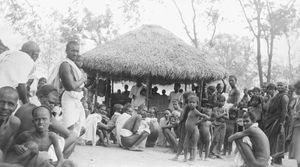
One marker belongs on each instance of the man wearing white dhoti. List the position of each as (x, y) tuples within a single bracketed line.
[(17, 66), (72, 79)]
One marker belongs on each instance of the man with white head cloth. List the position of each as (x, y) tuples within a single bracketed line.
[(17, 66)]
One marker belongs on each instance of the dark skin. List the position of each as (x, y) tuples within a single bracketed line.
[(234, 94), (204, 131), (65, 71)]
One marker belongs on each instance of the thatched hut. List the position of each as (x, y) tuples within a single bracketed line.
[(154, 54), (151, 51)]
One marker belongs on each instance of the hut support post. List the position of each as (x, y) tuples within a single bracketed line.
[(97, 87), (185, 86), (148, 90), (200, 87)]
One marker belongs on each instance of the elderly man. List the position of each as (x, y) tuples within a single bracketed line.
[(8, 124), (49, 97), (16, 66)]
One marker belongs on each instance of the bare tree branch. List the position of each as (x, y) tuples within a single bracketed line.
[(183, 22), (247, 19), (194, 24)]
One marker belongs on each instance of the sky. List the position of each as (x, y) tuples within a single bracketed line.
[(165, 15)]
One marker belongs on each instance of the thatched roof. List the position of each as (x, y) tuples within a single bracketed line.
[(151, 51)]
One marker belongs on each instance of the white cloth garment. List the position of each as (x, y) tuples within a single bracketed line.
[(51, 151), (15, 68), (72, 109), (91, 128), (119, 125), (138, 98)]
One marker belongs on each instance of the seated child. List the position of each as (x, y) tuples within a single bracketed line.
[(29, 143)]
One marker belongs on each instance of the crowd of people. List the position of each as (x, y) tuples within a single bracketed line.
[(42, 129)]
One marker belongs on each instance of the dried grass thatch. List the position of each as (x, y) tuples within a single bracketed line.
[(151, 51)]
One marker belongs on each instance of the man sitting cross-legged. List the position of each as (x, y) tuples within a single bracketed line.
[(259, 155)]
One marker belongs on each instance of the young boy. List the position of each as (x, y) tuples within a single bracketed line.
[(259, 154), (205, 134), (230, 129), (29, 143), (256, 108), (191, 128)]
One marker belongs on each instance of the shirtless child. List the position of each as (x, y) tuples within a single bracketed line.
[(205, 134), (259, 155), (191, 128), (40, 139)]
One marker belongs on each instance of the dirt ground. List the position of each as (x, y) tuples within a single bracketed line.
[(88, 156)]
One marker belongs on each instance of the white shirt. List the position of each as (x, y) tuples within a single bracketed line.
[(139, 99), (15, 68)]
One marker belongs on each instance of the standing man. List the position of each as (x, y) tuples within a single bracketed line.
[(8, 124), (137, 98), (16, 66), (234, 93), (73, 81), (274, 122)]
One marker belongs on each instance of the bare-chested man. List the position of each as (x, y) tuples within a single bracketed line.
[(73, 81), (259, 154), (234, 93), (49, 97), (8, 124)]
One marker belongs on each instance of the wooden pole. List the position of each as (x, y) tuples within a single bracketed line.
[(200, 92), (148, 89), (97, 87), (185, 86)]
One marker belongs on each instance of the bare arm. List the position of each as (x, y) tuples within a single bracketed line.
[(67, 78), (58, 152), (22, 91), (56, 127), (284, 102), (239, 135)]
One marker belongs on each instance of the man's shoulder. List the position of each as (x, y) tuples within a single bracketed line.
[(14, 121), (24, 109)]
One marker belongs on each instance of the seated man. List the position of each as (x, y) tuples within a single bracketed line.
[(9, 124), (48, 97), (259, 155), (167, 130), (28, 144), (134, 132)]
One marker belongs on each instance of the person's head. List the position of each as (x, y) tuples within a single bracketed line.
[(142, 110), (155, 89), (118, 108), (42, 81), (41, 118), (264, 87), (163, 92), (152, 111), (211, 89), (32, 49), (119, 91), (79, 61), (281, 87), (248, 119), (256, 91), (232, 113), (186, 95), (8, 101), (139, 82), (193, 102), (271, 88), (102, 109), (232, 80), (127, 109), (177, 87), (72, 50), (291, 90), (48, 96), (255, 100), (175, 104), (167, 113), (245, 91), (297, 88), (126, 87), (180, 90)]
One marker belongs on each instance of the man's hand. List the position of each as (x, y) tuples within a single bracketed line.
[(20, 149)]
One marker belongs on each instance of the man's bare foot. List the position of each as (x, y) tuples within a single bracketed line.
[(174, 159), (185, 160)]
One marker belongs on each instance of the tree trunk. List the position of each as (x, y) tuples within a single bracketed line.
[(270, 59), (258, 58)]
